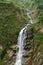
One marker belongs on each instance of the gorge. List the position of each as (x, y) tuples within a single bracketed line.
[(21, 40), (21, 32)]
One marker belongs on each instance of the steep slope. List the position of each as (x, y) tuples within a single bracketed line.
[(11, 22)]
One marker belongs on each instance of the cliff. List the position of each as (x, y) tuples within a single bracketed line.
[(11, 22)]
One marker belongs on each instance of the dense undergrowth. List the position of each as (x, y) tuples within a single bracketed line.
[(13, 18)]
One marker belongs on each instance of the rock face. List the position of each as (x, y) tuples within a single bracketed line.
[(28, 49), (33, 54), (33, 48)]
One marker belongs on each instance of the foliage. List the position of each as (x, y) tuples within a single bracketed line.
[(11, 18)]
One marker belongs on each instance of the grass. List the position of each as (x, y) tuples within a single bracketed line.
[(38, 36)]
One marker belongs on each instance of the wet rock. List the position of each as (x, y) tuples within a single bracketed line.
[(10, 53)]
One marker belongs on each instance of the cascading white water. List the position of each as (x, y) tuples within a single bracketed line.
[(21, 39)]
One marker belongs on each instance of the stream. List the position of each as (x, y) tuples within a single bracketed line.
[(21, 40)]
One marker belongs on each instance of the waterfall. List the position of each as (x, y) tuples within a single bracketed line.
[(21, 39)]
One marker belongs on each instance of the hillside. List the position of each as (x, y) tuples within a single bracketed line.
[(12, 19)]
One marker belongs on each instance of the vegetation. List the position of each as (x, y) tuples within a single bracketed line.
[(13, 18)]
